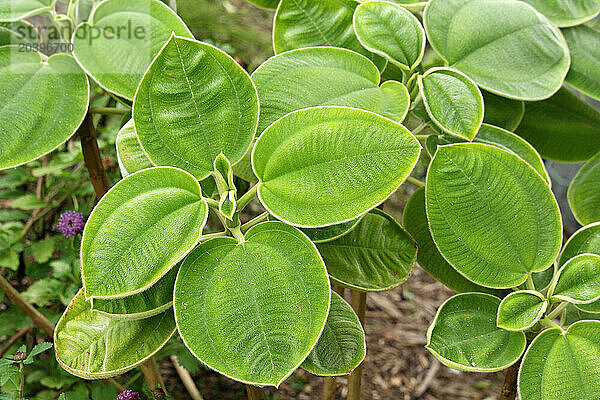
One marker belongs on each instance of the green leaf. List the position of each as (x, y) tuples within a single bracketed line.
[(375, 256), (521, 310), (567, 12), (253, 311), (502, 112), (10, 260), (473, 222), (585, 240), (341, 347), (584, 193), (391, 31), (464, 335), (562, 364), (42, 102), (42, 250), (148, 303), (563, 128), (578, 280), (14, 10), (505, 46), (194, 103), (130, 156), (593, 307), (428, 255), (140, 229), (93, 346), (120, 40), (331, 232), (584, 74), (327, 165), (27, 202), (38, 349), (307, 23), (286, 83), (266, 4), (17, 32), (453, 101)]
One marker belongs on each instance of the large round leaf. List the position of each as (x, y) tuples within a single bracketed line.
[(453, 101), (254, 310), (327, 165), (287, 83), (120, 40), (567, 12), (306, 23), (585, 240), (391, 31), (140, 229), (42, 103), (562, 364), (502, 112), (584, 74), (194, 103), (428, 255), (93, 346), (584, 192), (18, 32), (15, 10), (563, 128), (330, 232), (341, 347), (146, 304), (464, 335), (521, 310), (578, 280), (130, 156), (492, 216), (506, 46), (377, 255)]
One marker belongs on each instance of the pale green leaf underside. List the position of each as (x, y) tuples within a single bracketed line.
[(118, 58), (391, 31), (563, 128), (194, 103), (14, 10), (453, 101), (585, 240), (331, 232), (93, 346), (148, 303), (289, 82), (562, 365), (13, 33), (341, 347), (521, 310), (567, 12), (504, 45), (475, 195), (253, 311), (584, 192), (578, 280), (141, 228), (584, 74), (130, 156), (377, 255), (502, 112), (327, 165), (306, 23), (42, 103), (428, 255), (464, 335)]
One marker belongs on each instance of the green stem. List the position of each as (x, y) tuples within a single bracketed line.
[(529, 282), (212, 203), (246, 198), (556, 312), (209, 236), (255, 221), (109, 110), (359, 304), (415, 181), (547, 322), (420, 129), (21, 380)]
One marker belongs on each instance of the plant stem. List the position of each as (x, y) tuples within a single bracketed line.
[(187, 380), (246, 198), (415, 181), (212, 203), (109, 110), (329, 388), (254, 392), (152, 375), (14, 339), (419, 129), (359, 304), (558, 310), (255, 221), (547, 322), (509, 388), (529, 282), (92, 158), (209, 236)]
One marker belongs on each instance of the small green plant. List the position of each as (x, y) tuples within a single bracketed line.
[(321, 134), (11, 369)]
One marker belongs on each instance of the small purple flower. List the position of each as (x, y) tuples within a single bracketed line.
[(128, 395), (70, 223)]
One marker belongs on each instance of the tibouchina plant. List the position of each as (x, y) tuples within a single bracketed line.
[(325, 131)]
